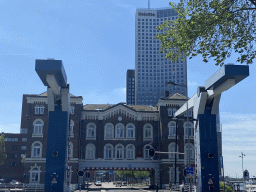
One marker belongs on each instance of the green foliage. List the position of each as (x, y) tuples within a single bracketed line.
[(212, 28), (141, 174), (23, 159), (228, 188), (3, 155), (130, 174)]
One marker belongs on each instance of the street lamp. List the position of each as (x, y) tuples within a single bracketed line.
[(175, 162), (242, 156)]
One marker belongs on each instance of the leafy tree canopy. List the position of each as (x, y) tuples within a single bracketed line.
[(2, 150), (212, 28)]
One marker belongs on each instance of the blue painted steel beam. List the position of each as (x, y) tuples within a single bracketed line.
[(51, 67)]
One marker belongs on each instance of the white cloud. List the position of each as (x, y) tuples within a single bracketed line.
[(192, 84), (238, 135), (9, 128)]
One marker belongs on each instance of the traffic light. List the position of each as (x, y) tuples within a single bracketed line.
[(151, 152), (185, 172), (210, 155)]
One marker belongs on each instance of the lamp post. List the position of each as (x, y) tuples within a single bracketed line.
[(175, 162), (242, 156)]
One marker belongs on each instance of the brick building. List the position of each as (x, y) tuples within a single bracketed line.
[(15, 147), (110, 137)]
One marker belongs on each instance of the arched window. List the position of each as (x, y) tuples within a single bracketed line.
[(146, 151), (36, 149), (91, 131), (171, 148), (189, 151), (71, 127), (172, 128), (130, 151), (90, 151), (108, 151), (119, 130), (41, 109), (188, 127), (130, 131), (119, 151), (36, 109), (35, 174), (148, 132), (70, 147), (172, 173), (38, 127), (109, 131)]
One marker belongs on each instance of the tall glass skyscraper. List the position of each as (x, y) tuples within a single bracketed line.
[(152, 70)]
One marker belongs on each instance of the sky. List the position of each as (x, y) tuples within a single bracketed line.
[(95, 39)]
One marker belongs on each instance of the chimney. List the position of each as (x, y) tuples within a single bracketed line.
[(166, 94)]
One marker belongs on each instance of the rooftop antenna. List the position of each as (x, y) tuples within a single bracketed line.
[(148, 4)]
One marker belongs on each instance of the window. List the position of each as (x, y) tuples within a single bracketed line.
[(72, 110), (169, 112), (23, 147), (119, 151), (146, 151), (38, 127), (119, 130), (36, 149), (90, 151), (172, 173), (109, 131), (24, 139), (188, 126), (24, 130), (71, 127), (172, 128), (171, 148), (14, 147), (130, 151), (35, 175), (174, 111), (41, 109), (70, 150), (148, 132), (36, 109), (130, 131), (11, 139), (91, 131), (13, 164), (108, 151), (189, 151)]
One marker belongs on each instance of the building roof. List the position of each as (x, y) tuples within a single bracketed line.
[(175, 96), (107, 106), (44, 94)]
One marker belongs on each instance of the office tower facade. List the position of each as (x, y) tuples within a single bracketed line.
[(152, 70), (130, 87)]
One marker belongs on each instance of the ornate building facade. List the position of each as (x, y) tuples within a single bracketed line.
[(112, 137)]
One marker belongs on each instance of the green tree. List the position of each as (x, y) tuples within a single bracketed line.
[(212, 28), (3, 155)]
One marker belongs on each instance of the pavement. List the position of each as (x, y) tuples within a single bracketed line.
[(110, 186)]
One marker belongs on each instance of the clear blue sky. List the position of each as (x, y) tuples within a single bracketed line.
[(95, 39)]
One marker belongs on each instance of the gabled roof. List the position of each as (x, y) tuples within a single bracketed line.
[(108, 106), (176, 96), (44, 94)]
